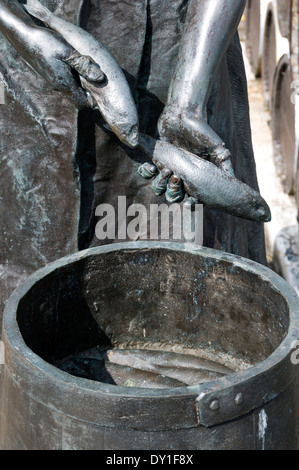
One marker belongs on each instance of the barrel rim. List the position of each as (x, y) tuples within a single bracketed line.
[(201, 394)]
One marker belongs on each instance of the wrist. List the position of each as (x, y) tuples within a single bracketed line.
[(176, 119)]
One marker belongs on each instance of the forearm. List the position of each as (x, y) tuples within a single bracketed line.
[(209, 28), (15, 24)]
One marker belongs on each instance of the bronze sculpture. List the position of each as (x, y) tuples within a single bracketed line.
[(182, 54), (183, 62), (111, 95)]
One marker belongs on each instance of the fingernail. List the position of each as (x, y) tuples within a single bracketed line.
[(147, 170), (175, 181)]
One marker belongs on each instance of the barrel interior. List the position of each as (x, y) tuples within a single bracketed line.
[(158, 304)]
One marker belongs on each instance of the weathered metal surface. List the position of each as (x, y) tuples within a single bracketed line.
[(113, 98), (40, 187), (124, 297), (237, 398), (207, 183), (157, 33), (77, 303), (116, 104), (60, 168)]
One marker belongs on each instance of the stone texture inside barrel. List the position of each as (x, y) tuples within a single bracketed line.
[(148, 367)]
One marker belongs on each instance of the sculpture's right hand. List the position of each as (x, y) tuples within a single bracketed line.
[(46, 52)]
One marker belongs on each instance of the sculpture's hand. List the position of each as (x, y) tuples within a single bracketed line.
[(191, 133), (209, 29), (47, 53)]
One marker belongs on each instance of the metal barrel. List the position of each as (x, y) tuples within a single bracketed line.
[(151, 296)]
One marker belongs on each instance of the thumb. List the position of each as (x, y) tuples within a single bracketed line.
[(86, 67), (221, 157)]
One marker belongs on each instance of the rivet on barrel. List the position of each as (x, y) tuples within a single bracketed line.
[(214, 405), (239, 399)]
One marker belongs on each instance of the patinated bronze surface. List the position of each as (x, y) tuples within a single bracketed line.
[(139, 98), (59, 161), (111, 95), (185, 54)]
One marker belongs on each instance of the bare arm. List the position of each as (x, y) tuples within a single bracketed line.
[(44, 50), (209, 28), (14, 21)]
